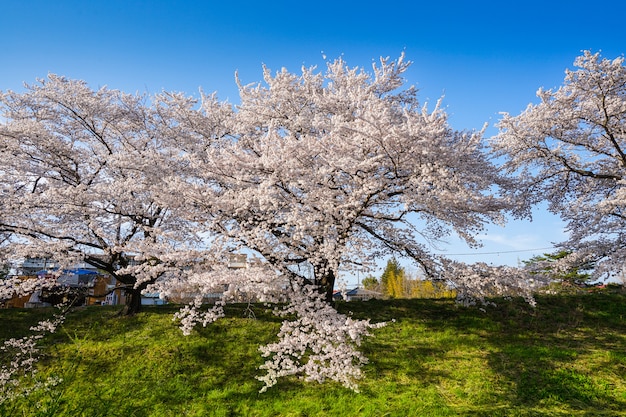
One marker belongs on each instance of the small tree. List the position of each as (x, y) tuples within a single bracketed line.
[(371, 283), (393, 279), (427, 288)]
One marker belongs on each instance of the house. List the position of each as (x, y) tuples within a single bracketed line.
[(83, 285), (152, 299), (30, 266), (86, 286), (357, 294)]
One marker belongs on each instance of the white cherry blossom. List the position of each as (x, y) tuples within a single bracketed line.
[(570, 150)]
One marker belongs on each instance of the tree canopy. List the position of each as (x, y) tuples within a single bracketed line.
[(332, 170), (570, 150), (82, 180), (392, 279)]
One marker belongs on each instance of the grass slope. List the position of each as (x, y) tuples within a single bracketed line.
[(567, 357)]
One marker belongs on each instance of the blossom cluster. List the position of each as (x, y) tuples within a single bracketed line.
[(316, 342), (18, 377), (476, 282), (216, 288), (17, 286)]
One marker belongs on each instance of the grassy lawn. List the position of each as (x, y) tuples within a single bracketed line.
[(567, 357)]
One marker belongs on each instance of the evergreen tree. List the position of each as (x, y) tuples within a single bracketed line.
[(392, 279), (548, 264)]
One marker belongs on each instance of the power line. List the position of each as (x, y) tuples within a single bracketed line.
[(496, 253)]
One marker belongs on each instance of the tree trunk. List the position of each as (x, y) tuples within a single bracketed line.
[(133, 302), (327, 284)]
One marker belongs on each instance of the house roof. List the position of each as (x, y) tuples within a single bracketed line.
[(362, 291), (358, 292), (76, 271)]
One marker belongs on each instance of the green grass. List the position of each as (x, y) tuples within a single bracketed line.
[(567, 357)]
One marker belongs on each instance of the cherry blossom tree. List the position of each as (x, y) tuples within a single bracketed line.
[(317, 173), (329, 171), (81, 176), (570, 150), (312, 174)]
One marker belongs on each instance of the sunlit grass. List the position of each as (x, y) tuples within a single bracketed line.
[(564, 358)]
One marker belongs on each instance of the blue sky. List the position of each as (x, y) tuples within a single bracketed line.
[(484, 57)]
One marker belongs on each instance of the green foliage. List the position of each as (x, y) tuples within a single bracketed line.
[(370, 283), (396, 283), (430, 289), (564, 358), (392, 280), (576, 274)]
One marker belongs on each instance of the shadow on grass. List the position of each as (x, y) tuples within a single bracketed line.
[(562, 352), (565, 354), (565, 357)]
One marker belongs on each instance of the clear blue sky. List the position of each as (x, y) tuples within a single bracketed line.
[(484, 56)]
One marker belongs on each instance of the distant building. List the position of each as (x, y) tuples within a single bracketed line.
[(83, 285), (357, 294), (30, 266)]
